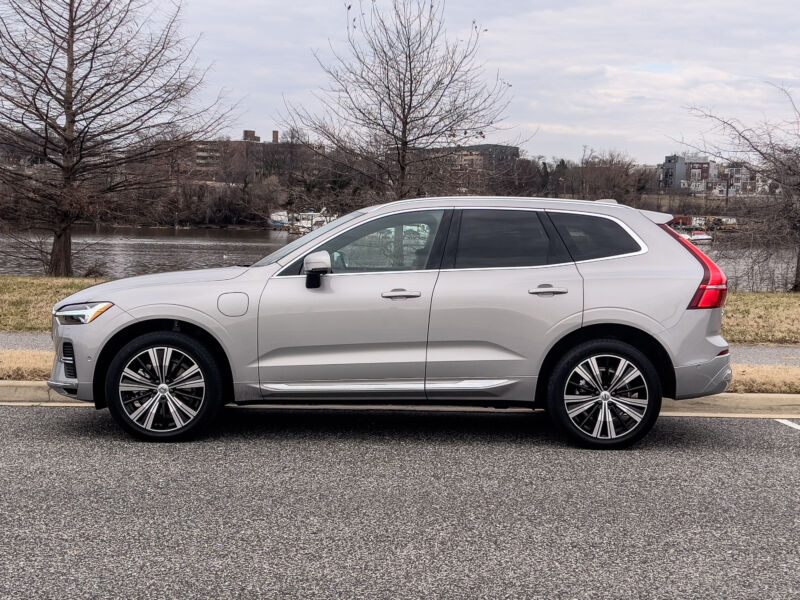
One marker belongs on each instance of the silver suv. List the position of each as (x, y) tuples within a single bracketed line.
[(590, 310)]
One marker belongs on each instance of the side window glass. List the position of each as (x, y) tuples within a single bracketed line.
[(502, 238), (400, 242), (589, 237)]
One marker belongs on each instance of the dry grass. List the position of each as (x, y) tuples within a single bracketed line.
[(26, 303), (26, 365), (762, 318), (767, 379)]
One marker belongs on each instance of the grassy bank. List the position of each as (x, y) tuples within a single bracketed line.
[(32, 365), (762, 318), (26, 303), (750, 318), (25, 365)]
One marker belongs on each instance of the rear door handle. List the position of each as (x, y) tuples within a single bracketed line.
[(547, 290), (398, 294)]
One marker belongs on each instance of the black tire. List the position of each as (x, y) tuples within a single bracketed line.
[(568, 391), (184, 351)]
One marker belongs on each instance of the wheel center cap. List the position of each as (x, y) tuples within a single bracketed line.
[(605, 396), (163, 388)]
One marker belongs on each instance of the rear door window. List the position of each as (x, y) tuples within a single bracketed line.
[(505, 238), (589, 237)]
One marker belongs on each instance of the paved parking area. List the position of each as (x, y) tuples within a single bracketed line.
[(349, 504)]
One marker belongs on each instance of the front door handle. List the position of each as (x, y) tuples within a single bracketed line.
[(547, 290), (398, 294)]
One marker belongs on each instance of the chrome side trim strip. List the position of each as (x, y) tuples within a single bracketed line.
[(390, 386), (468, 384)]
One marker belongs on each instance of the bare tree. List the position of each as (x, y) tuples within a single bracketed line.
[(89, 91), (769, 151), (403, 96)]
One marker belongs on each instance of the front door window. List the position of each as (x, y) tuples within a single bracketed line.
[(400, 242)]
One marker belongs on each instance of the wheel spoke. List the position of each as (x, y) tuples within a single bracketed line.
[(588, 378), (582, 407), (153, 353), (181, 405), (130, 374), (627, 411), (144, 407), (194, 383), (185, 375), (632, 374), (638, 403), (598, 424), (165, 364), (136, 387), (609, 421), (621, 367), (578, 397), (151, 414), (596, 372), (176, 416)]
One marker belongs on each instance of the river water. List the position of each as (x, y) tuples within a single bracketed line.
[(126, 251)]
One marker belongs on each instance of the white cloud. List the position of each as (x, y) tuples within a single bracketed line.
[(618, 74)]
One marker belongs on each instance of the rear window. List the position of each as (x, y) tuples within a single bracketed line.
[(589, 237)]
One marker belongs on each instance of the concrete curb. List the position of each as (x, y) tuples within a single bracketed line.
[(784, 406)]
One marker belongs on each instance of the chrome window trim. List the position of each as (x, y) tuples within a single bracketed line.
[(301, 251), (363, 273), (643, 248)]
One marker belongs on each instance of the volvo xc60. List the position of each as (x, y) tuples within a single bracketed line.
[(593, 311)]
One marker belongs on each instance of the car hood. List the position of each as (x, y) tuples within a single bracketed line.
[(113, 290)]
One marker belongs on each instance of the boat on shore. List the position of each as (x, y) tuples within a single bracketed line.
[(698, 237)]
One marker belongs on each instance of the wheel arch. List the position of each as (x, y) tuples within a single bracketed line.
[(662, 362), (134, 330)]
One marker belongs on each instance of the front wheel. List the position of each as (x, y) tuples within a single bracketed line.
[(164, 386), (604, 394)]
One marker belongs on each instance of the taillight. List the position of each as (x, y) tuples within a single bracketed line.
[(713, 288)]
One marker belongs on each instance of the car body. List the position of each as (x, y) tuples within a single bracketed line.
[(451, 301)]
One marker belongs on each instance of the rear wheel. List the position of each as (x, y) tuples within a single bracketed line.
[(604, 394), (164, 386)]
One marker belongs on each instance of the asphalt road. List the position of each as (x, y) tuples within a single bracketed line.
[(348, 504)]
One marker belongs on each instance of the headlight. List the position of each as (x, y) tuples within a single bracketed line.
[(74, 314)]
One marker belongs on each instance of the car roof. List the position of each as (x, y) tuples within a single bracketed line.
[(606, 206)]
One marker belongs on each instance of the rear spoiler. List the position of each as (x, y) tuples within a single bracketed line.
[(659, 218)]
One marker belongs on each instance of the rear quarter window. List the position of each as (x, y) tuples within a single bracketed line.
[(588, 237)]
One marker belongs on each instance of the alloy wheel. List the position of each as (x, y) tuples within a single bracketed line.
[(606, 396), (162, 389)]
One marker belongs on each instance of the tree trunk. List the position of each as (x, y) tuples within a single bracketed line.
[(796, 286), (61, 252)]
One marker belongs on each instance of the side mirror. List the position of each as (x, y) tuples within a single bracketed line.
[(314, 266)]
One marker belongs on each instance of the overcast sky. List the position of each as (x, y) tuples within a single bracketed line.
[(613, 75)]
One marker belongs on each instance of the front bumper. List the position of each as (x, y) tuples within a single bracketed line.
[(87, 340), (703, 379)]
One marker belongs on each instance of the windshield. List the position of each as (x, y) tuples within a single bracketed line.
[(309, 237)]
